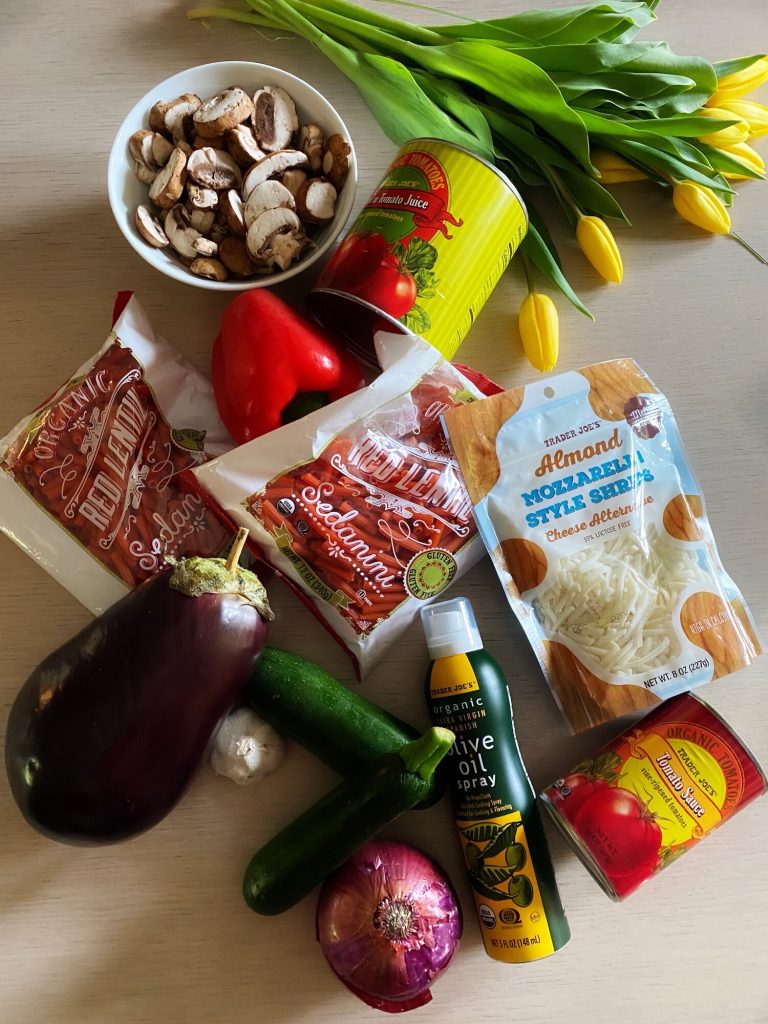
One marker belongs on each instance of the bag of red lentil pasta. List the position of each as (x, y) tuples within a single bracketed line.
[(360, 505), (90, 483)]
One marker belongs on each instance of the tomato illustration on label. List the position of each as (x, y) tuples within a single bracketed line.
[(388, 260), (621, 832)]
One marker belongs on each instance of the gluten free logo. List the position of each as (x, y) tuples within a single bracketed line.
[(429, 572)]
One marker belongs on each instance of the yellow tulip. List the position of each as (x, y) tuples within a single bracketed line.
[(731, 87), (539, 330), (730, 136), (701, 206), (599, 246), (748, 156), (754, 114), (614, 169)]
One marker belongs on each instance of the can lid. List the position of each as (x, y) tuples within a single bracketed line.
[(450, 628)]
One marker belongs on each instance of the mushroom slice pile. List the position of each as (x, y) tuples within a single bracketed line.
[(274, 118), (276, 239), (151, 151), (213, 168), (225, 110), (271, 167), (181, 234), (268, 195)]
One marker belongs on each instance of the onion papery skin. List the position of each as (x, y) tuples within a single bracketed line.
[(389, 923)]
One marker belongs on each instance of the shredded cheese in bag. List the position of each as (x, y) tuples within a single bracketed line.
[(596, 525)]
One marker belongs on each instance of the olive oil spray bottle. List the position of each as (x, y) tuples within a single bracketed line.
[(500, 831)]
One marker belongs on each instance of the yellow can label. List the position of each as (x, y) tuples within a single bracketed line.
[(432, 241)]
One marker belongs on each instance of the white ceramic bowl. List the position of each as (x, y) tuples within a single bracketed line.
[(126, 192)]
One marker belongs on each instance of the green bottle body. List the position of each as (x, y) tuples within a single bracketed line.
[(500, 830)]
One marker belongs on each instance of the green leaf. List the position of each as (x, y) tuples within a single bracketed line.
[(188, 438), (485, 890), (454, 101), (481, 833), (544, 258), (504, 839), (723, 161), (426, 284), (521, 891), (529, 146), (516, 856), (419, 255), (683, 126), (509, 75), (591, 196), (417, 320), (645, 155), (730, 67), (494, 876)]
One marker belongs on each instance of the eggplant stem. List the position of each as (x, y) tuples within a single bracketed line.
[(233, 558)]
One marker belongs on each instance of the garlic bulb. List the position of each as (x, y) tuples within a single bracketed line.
[(246, 747)]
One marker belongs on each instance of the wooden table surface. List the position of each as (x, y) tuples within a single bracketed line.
[(155, 930)]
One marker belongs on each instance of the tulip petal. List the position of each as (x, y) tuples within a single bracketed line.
[(599, 246), (701, 207), (539, 331)]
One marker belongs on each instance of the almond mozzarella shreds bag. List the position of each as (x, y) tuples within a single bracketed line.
[(90, 483), (360, 504), (596, 525)]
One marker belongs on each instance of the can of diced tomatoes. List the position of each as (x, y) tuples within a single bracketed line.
[(425, 251), (652, 793)]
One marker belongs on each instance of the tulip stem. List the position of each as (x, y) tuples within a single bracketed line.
[(753, 252), (528, 269)]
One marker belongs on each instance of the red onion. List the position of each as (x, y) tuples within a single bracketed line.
[(389, 922)]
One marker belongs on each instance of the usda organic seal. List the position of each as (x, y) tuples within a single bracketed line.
[(429, 572)]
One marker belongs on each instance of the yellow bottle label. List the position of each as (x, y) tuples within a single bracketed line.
[(496, 850), (507, 897)]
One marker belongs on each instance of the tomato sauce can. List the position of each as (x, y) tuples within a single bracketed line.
[(654, 792), (425, 251)]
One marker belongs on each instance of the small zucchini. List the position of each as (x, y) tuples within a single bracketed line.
[(307, 705), (328, 833)]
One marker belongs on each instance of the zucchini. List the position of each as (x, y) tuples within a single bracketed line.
[(306, 704), (297, 859)]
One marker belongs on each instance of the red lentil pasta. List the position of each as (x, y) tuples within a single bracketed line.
[(91, 484), (373, 520)]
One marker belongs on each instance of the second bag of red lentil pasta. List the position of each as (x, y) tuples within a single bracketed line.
[(360, 505)]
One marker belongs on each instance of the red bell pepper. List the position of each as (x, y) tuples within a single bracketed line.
[(270, 366)]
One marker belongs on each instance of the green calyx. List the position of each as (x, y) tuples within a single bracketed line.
[(196, 576), (422, 756)]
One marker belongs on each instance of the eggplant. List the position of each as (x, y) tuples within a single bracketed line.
[(107, 732)]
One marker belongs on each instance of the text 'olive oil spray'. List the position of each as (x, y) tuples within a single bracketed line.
[(501, 835)]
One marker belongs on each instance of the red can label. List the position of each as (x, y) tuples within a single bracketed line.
[(654, 792)]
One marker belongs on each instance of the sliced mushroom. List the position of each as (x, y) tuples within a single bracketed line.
[(205, 246), (212, 269), (202, 198), (336, 161), (241, 143), (233, 253), (315, 201), (185, 147), (269, 195), (274, 118), (219, 232), (217, 141), (149, 228), (168, 186), (157, 116), (271, 167), (180, 232), (201, 220), (225, 110), (214, 169), (232, 206), (151, 151), (310, 141), (178, 117), (293, 180), (276, 238)]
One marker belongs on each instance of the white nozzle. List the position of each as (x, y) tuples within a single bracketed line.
[(450, 628)]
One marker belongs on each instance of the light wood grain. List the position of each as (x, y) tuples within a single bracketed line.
[(155, 931)]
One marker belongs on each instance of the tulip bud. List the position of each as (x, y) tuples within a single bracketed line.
[(731, 87), (701, 206), (539, 331), (748, 156), (730, 136), (755, 115), (599, 246), (614, 169)]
